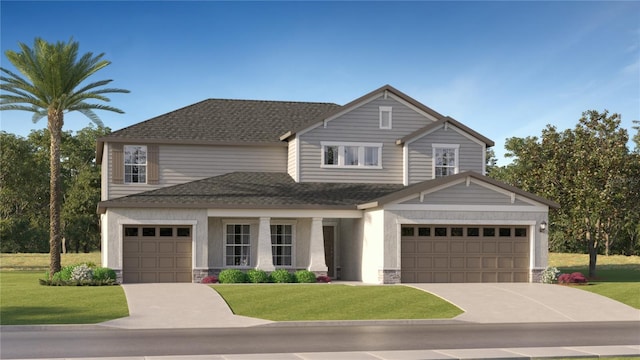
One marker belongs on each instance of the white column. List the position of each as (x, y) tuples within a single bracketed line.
[(265, 259), (316, 247)]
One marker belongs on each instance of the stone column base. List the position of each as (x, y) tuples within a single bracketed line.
[(535, 275), (389, 276)]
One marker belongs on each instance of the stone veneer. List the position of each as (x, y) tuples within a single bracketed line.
[(389, 276), (536, 275)]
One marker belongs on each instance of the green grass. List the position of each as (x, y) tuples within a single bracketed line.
[(617, 276), (33, 262), (297, 302), (23, 301)]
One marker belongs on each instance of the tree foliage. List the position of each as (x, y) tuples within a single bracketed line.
[(24, 191), (52, 82), (592, 174)]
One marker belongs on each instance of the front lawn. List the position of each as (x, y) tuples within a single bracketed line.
[(33, 262), (297, 302), (23, 301)]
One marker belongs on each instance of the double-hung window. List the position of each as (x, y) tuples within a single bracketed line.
[(135, 164), (351, 155), (282, 244), (445, 160), (238, 245)]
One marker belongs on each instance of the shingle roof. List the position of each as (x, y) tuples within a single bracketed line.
[(256, 190), (224, 120)]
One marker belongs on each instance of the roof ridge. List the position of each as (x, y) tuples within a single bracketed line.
[(273, 101)]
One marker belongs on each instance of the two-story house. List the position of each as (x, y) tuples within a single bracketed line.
[(380, 190)]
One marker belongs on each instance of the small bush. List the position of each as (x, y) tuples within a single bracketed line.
[(232, 276), (102, 273), (281, 276), (549, 275), (305, 276), (323, 279), (64, 274), (257, 276), (82, 273), (210, 280), (574, 278)]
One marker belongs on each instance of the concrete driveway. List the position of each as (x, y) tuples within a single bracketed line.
[(524, 302)]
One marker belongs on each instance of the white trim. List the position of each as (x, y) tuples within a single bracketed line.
[(383, 109), (455, 147), (405, 165), (341, 157), (468, 208), (284, 213), (293, 224), (532, 247), (226, 222), (127, 221), (449, 126), (484, 160), (124, 164)]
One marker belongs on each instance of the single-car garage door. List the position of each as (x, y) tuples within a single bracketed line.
[(156, 254), (442, 253)]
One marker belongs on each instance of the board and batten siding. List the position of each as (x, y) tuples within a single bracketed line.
[(292, 156), (421, 154), (361, 124), (461, 194), (179, 164)]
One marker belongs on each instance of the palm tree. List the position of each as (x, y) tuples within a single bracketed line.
[(53, 84)]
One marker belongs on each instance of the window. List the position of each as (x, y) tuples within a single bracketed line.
[(385, 117), (238, 245), (356, 155), (445, 160), (135, 164), (282, 245)]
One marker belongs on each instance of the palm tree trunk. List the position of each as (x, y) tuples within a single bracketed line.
[(55, 122)]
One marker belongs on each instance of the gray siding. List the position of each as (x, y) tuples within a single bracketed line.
[(362, 124), (421, 154), (179, 164), (461, 194)]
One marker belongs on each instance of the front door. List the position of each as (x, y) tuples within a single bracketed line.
[(328, 232)]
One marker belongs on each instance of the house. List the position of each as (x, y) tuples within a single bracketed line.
[(380, 190)]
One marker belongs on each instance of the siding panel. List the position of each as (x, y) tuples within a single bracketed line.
[(461, 194)]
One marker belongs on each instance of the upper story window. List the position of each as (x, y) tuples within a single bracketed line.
[(135, 164), (282, 244), (237, 245), (385, 117), (445, 159), (351, 155)]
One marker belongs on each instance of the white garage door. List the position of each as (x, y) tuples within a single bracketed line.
[(154, 254), (456, 253)]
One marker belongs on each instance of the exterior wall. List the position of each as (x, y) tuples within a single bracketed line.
[(292, 157), (114, 220), (373, 246), (461, 194), (470, 154), (180, 164), (360, 125), (350, 249)]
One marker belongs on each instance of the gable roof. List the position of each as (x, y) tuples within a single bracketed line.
[(251, 190), (443, 181), (373, 94), (222, 121), (442, 122)]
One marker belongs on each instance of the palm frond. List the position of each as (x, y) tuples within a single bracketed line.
[(84, 106), (92, 116), (37, 115)]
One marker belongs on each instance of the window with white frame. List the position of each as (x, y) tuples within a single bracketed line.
[(282, 244), (238, 245), (445, 159), (135, 164), (352, 155), (385, 117)]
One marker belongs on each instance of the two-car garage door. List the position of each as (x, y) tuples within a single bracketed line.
[(153, 254), (455, 253)]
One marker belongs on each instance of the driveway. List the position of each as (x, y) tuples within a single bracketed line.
[(524, 302)]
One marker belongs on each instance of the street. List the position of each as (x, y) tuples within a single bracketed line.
[(108, 342)]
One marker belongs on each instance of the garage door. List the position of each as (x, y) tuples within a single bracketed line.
[(441, 253), (156, 254)]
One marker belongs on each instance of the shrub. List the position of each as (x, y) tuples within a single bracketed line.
[(323, 279), (82, 273), (549, 275), (257, 276), (305, 276), (574, 278), (232, 276), (102, 273), (210, 280), (281, 276), (64, 274)]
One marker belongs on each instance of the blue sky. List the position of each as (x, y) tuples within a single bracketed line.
[(503, 68)]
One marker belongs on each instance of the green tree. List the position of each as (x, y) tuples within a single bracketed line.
[(52, 83)]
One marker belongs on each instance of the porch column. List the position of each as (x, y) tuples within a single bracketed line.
[(265, 259), (316, 247)]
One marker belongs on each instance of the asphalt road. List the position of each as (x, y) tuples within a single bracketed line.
[(91, 342)]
